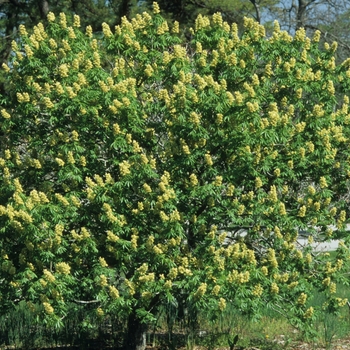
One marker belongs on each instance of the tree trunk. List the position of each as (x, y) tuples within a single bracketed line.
[(43, 8), (124, 8), (135, 338), (257, 10), (302, 5), (5, 42)]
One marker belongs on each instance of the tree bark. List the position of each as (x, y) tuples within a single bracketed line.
[(124, 8), (302, 5), (5, 42), (257, 10), (43, 8), (135, 338)]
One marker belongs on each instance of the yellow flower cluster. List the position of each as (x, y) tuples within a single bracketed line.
[(218, 181), (341, 219), (62, 199), (124, 168), (111, 237), (274, 288), (23, 97), (176, 28), (49, 276), (200, 291), (341, 302), (309, 312), (133, 241), (59, 228), (163, 28), (111, 217), (63, 20), (168, 285), (302, 211), (147, 188), (201, 22), (208, 159), (156, 8), (66, 47), (292, 285), (216, 289), (146, 295), (282, 209), (273, 194), (5, 114), (193, 180), (106, 30), (332, 288), (102, 262), (149, 70), (222, 304), (29, 52), (271, 257), (323, 182), (63, 268), (103, 281), (241, 209), (175, 216), (13, 215), (48, 308), (113, 292), (99, 312), (257, 290), (302, 299), (5, 67), (238, 277), (147, 278), (326, 282), (63, 70)]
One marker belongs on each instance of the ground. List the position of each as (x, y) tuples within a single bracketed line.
[(278, 344)]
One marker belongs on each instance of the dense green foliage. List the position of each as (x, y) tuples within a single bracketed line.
[(131, 162)]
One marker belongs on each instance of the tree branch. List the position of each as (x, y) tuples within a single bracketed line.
[(257, 10), (86, 301), (325, 34)]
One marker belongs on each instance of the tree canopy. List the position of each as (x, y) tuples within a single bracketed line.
[(330, 17), (140, 168)]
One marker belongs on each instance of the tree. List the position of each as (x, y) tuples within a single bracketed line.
[(132, 162), (327, 16), (301, 13), (330, 17)]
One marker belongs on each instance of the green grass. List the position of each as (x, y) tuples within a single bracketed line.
[(272, 331)]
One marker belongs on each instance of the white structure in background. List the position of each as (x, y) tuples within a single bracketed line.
[(302, 240), (319, 246), (322, 246)]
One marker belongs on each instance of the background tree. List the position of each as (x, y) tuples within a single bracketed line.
[(327, 16), (132, 161)]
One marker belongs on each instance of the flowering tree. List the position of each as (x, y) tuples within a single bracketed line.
[(131, 163)]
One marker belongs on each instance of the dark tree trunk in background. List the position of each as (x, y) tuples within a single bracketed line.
[(302, 5), (5, 43), (257, 10), (124, 8), (44, 8)]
